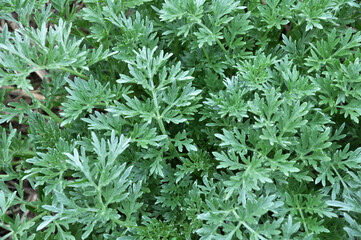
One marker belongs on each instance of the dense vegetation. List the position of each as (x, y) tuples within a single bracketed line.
[(180, 119)]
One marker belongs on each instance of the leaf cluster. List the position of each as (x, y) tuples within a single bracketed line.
[(181, 119)]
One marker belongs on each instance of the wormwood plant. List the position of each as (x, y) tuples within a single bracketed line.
[(181, 119)]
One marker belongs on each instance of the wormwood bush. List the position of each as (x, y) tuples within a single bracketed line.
[(182, 119)]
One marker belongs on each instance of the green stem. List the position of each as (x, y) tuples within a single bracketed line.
[(76, 73), (303, 218), (7, 236), (339, 176), (76, 182), (160, 121), (329, 108), (100, 199), (7, 90), (266, 33), (161, 125), (37, 217), (50, 113), (47, 110), (252, 231), (27, 222), (42, 106), (15, 163), (25, 154), (177, 48), (217, 40), (222, 46), (122, 223), (164, 132), (206, 54), (246, 226), (326, 109), (158, 117)]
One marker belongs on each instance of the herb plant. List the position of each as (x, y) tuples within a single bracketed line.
[(180, 119)]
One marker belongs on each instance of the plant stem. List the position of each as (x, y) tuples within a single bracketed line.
[(76, 73), (7, 235), (177, 48), (37, 217), (159, 119), (100, 199), (303, 218), (50, 113), (326, 109), (206, 54), (222, 46), (217, 40), (26, 154), (122, 223), (252, 231), (339, 176), (42, 106)]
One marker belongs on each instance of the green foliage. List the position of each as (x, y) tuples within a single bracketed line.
[(181, 119)]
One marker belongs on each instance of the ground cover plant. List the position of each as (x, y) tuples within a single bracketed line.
[(180, 119)]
